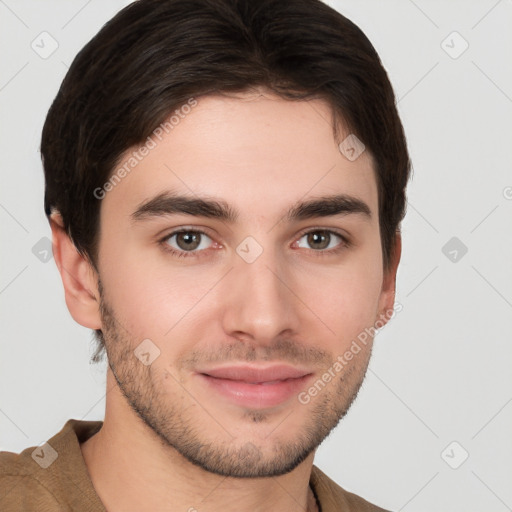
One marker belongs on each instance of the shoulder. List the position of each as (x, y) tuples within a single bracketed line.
[(21, 489), (39, 477), (334, 498)]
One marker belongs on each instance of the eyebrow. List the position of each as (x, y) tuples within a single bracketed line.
[(168, 203)]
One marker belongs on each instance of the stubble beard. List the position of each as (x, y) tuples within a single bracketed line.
[(176, 428)]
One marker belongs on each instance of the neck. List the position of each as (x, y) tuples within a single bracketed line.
[(131, 469)]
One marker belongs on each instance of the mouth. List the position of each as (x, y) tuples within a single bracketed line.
[(253, 386)]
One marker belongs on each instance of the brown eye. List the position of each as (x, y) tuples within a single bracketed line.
[(322, 239), (319, 239), (187, 241)]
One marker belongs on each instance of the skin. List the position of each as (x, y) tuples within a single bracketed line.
[(261, 154)]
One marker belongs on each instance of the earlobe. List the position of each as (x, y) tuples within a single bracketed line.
[(79, 278), (387, 297)]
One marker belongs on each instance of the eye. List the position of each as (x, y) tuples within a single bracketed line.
[(192, 242), (186, 241), (324, 240)]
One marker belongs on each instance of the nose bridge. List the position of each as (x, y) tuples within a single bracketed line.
[(260, 304)]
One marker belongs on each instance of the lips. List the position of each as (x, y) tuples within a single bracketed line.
[(255, 375), (253, 386)]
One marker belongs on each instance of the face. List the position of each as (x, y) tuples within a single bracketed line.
[(239, 259)]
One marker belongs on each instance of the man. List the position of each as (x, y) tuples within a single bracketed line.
[(225, 182)]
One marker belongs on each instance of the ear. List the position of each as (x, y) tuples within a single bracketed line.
[(387, 296), (79, 278)]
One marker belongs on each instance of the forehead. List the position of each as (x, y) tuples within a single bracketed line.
[(257, 151)]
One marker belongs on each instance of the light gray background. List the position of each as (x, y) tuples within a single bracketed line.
[(441, 368)]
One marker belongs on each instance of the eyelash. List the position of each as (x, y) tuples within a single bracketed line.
[(345, 244)]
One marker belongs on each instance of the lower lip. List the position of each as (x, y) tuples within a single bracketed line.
[(256, 396)]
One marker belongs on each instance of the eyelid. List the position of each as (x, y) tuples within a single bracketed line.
[(336, 231), (173, 231)]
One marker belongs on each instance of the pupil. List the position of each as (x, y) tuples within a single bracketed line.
[(189, 240), (317, 237)]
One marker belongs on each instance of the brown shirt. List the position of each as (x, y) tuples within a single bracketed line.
[(54, 477)]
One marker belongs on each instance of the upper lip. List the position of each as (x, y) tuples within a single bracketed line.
[(256, 374)]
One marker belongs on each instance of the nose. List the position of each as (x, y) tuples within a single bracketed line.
[(261, 299)]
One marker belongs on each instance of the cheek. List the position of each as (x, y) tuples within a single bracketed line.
[(132, 289), (149, 298), (346, 300), (348, 307)]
